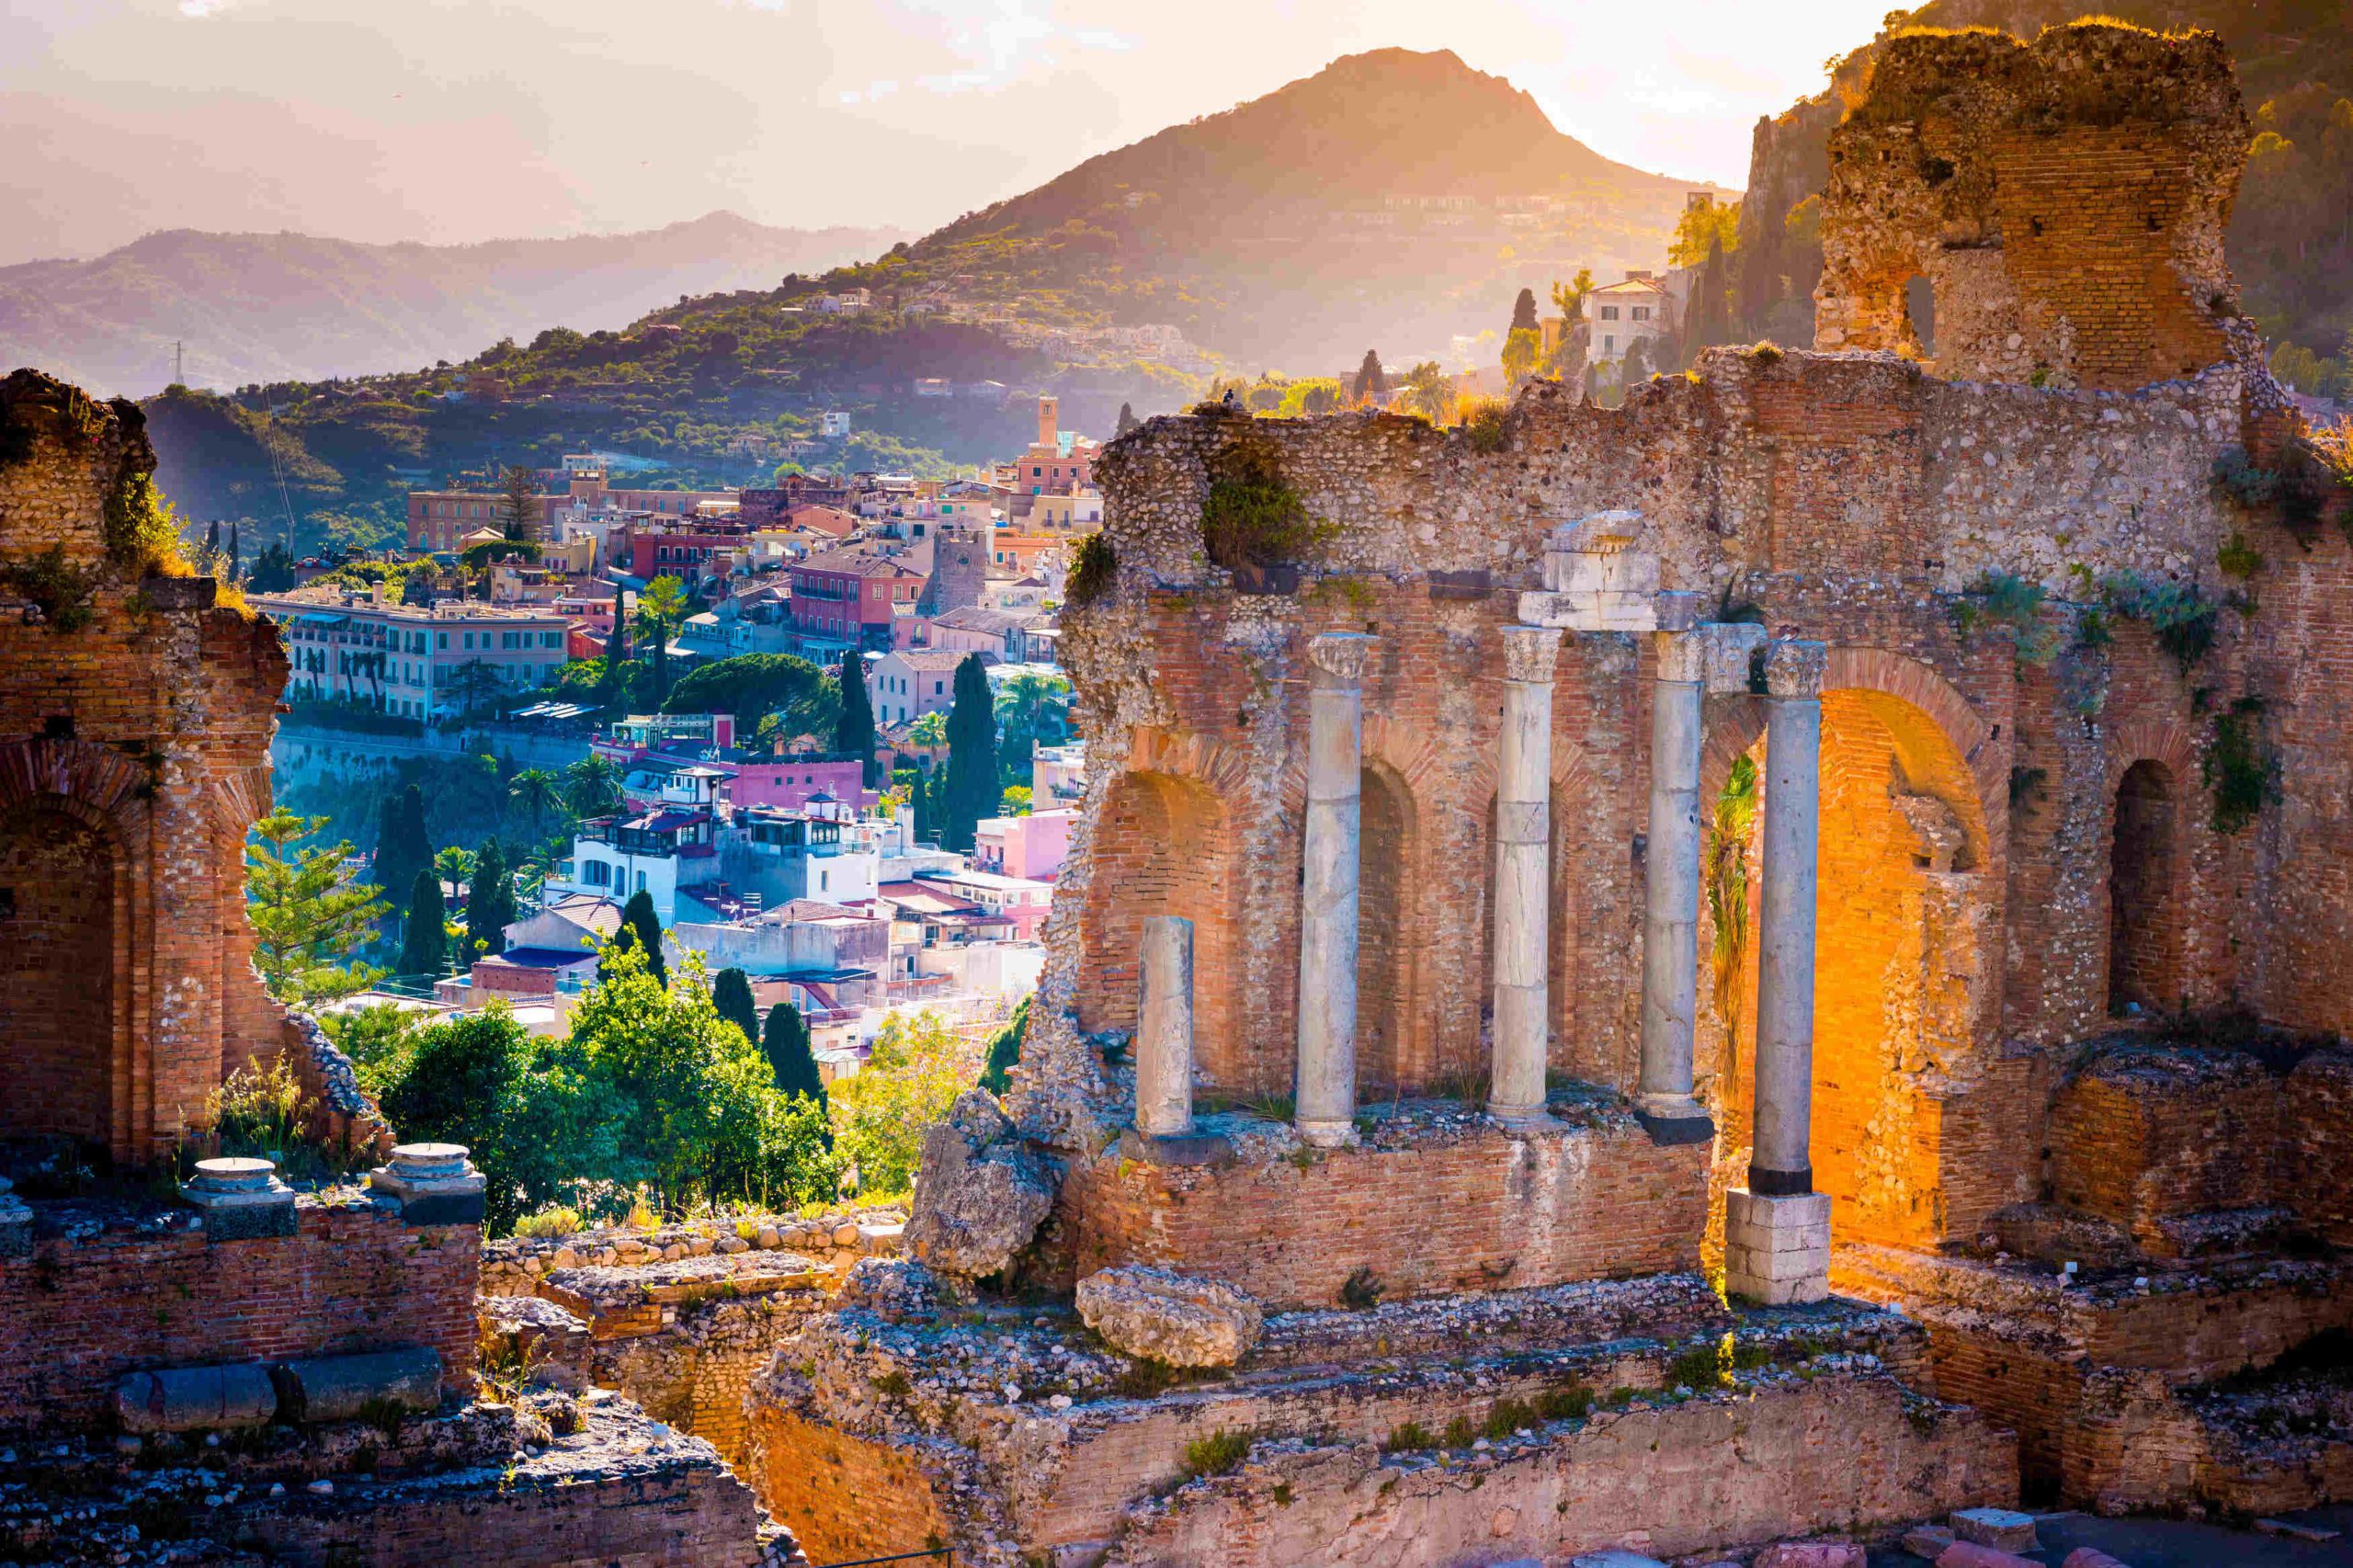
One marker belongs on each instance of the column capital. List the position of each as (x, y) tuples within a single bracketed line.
[(1682, 656), (1731, 648), (1793, 667), (1336, 658), (1531, 651)]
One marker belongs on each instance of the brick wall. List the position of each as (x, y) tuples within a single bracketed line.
[(844, 1498), (353, 1278), (1474, 1211), (2142, 1136)]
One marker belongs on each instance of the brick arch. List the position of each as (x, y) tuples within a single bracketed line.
[(72, 818), (2146, 811)]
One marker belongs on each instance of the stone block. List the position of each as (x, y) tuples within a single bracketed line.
[(191, 1399), (2005, 1528), (982, 1195), (2090, 1557), (1927, 1541), (344, 1388), (1969, 1554), (1168, 1317), (1776, 1249), (434, 1184), (1811, 1555)]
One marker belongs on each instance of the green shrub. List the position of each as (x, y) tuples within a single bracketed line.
[(1702, 1367), (1250, 517), (2180, 617), (2236, 769), (1459, 1434), (2006, 599), (1219, 1453), (1570, 1402), (1093, 568), (1413, 1436), (555, 1221), (2237, 558), (1506, 1416), (142, 532), (2244, 481), (60, 589), (1483, 423), (1361, 1291)]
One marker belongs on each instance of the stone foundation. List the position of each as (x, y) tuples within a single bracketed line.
[(1776, 1249)]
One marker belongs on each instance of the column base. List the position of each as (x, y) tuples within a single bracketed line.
[(1777, 1248), (1327, 1134), (1674, 1119), (1523, 1117)]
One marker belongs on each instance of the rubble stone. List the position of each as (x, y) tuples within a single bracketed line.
[(1169, 1318), (982, 1196)]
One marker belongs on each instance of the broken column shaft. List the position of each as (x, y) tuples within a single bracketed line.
[(1671, 871), (1164, 1030), (1326, 1102)]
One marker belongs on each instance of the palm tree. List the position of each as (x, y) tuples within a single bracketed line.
[(661, 609), (592, 786), (538, 792)]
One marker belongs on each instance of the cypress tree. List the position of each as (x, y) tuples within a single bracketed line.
[(786, 1043), (402, 847), (234, 570), (1523, 313), (974, 791), (854, 729), (731, 993), (1371, 380), (490, 907), (638, 915), (426, 948), (1128, 421)]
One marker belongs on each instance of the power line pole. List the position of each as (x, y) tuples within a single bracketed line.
[(179, 366)]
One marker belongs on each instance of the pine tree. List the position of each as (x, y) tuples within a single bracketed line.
[(309, 913), (974, 791), (426, 948), (786, 1043), (234, 570), (1371, 381), (490, 903), (854, 730), (731, 993), (1128, 421), (1523, 313)]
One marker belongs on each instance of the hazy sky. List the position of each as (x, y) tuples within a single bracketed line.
[(448, 120)]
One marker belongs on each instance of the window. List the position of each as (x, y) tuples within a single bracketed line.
[(1609, 344), (470, 641), (1609, 312), (1642, 312), (936, 686), (445, 639)]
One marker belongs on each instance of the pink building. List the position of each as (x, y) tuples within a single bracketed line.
[(787, 782), (1031, 848)]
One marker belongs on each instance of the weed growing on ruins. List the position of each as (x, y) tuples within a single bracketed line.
[(1458, 1433), (2093, 629), (1251, 518), (58, 588), (1701, 1368), (1725, 868), (2182, 620), (1411, 1437), (552, 1221), (1219, 1453), (2027, 786), (1507, 1417), (893, 1384), (2237, 558), (142, 533), (1570, 1402), (1483, 423), (1093, 568), (2240, 477), (2237, 768), (1361, 1291), (2004, 598)]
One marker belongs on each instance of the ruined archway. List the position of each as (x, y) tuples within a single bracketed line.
[(1164, 845), (2143, 967), (58, 948), (1905, 953)]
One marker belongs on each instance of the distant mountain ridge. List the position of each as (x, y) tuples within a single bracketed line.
[(296, 307)]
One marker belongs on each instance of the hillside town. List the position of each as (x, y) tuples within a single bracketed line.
[(775, 854)]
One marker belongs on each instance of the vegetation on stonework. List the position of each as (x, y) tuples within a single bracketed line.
[(1481, 420), (1093, 570), (916, 1068), (1005, 1050), (1724, 874), (310, 915), (1217, 1453), (2006, 599), (260, 1113), (2237, 770), (2182, 620), (143, 534), (58, 588), (1250, 516)]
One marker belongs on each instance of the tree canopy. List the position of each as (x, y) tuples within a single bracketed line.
[(309, 913), (854, 721), (973, 790)]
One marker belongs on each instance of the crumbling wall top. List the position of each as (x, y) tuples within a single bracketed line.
[(2049, 212)]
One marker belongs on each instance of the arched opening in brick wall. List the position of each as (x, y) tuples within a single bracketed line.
[(1165, 845), (58, 946), (1387, 934), (2144, 936), (1905, 943)]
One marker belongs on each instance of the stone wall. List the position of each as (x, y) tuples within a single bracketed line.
[(2063, 203), (101, 1294), (1413, 1210), (133, 755)]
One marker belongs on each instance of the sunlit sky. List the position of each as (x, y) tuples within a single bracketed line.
[(451, 120)]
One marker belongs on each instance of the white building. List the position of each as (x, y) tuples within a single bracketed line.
[(1619, 315), (412, 661)]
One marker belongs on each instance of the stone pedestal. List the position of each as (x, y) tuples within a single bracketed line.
[(1523, 879), (1781, 1164), (1164, 1030), (434, 1184), (1326, 1104), (1776, 1249), (240, 1199)]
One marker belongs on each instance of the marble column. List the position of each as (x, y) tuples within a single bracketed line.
[(1325, 1103), (1164, 1030), (1776, 1230), (1671, 862), (1523, 878)]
